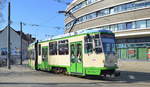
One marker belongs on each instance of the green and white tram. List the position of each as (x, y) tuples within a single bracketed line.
[(85, 52)]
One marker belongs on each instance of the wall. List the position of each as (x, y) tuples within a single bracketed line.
[(15, 45)]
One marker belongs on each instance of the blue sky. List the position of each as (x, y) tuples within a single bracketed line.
[(41, 12)]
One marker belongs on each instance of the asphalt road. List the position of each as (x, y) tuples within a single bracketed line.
[(133, 74)]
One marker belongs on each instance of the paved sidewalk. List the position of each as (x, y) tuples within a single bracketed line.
[(131, 65)]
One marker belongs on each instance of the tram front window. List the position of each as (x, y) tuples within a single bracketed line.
[(109, 47), (108, 43)]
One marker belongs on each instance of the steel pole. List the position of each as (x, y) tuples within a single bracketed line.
[(20, 43), (8, 33)]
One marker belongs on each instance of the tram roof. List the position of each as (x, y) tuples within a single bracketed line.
[(81, 32), (85, 31)]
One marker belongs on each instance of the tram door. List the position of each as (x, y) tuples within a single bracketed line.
[(45, 56), (76, 57)]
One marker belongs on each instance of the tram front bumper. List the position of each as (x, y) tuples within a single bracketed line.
[(99, 70)]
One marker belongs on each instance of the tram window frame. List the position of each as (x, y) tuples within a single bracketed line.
[(88, 44), (45, 53), (63, 47), (97, 47), (53, 48), (39, 49)]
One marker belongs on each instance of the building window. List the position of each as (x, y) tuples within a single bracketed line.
[(63, 47), (130, 6), (39, 49), (113, 27), (148, 23), (141, 24), (53, 48), (140, 4), (113, 10), (147, 3), (88, 44), (105, 27), (99, 13), (84, 18), (80, 20), (129, 25), (102, 12), (105, 11), (90, 1), (122, 26), (84, 3), (90, 16), (122, 8), (79, 6)]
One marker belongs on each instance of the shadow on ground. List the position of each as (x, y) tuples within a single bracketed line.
[(126, 76)]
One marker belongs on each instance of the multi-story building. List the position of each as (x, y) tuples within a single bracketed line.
[(15, 45), (128, 19)]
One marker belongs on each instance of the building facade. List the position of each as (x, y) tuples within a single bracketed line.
[(128, 19), (15, 45)]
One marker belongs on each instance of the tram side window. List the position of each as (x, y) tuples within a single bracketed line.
[(53, 48), (98, 47), (63, 48), (45, 53), (88, 45), (39, 51)]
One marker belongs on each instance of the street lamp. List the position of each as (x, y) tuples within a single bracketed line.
[(72, 16)]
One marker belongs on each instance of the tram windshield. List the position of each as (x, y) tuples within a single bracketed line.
[(108, 41)]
